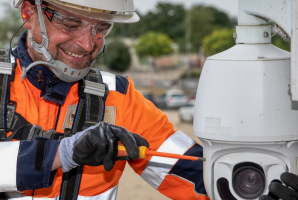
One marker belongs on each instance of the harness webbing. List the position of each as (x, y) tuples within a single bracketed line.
[(3, 100), (4, 95), (90, 111)]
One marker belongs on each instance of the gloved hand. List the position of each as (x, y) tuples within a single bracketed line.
[(98, 145), (278, 191)]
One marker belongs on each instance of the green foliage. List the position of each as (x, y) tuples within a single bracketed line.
[(201, 21), (192, 74), (168, 19), (154, 44), (220, 40), (179, 24), (117, 56), (9, 25), (281, 43)]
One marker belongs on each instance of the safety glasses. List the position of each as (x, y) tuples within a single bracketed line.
[(76, 27)]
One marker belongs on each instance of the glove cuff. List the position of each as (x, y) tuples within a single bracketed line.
[(66, 153)]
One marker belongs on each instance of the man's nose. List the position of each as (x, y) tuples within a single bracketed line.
[(86, 41)]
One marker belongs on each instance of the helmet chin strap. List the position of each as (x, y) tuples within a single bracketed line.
[(60, 69)]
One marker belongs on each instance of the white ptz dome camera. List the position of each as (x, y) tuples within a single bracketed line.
[(244, 113)]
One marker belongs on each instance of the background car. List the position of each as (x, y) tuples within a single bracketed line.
[(191, 98), (186, 112), (149, 95), (173, 98)]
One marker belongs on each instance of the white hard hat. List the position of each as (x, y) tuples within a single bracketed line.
[(118, 11)]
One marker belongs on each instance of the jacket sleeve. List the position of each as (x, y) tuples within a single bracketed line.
[(26, 165), (177, 179)]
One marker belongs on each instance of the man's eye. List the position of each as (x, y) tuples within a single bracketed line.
[(71, 26), (103, 27)]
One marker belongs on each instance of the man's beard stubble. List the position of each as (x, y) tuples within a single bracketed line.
[(56, 54)]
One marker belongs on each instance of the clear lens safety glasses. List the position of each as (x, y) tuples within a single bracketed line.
[(76, 27)]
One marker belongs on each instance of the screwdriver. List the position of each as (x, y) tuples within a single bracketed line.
[(144, 152)]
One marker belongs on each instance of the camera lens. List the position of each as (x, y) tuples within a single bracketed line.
[(248, 182)]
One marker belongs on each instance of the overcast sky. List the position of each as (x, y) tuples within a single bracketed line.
[(143, 6)]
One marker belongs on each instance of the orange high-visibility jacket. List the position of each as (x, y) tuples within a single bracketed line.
[(126, 107)]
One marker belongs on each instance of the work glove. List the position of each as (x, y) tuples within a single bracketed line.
[(278, 191), (98, 145)]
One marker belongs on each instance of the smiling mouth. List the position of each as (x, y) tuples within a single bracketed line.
[(73, 54)]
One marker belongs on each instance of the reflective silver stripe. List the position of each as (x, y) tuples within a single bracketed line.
[(12, 59), (109, 79), (158, 167), (23, 197), (107, 195), (8, 169), (5, 68)]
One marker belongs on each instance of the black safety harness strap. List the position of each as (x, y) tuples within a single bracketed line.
[(4, 86), (6, 70), (90, 111)]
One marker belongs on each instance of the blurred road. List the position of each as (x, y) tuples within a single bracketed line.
[(133, 187)]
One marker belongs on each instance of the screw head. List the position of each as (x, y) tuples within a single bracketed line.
[(266, 34)]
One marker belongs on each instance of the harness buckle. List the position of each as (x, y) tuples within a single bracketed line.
[(34, 131), (49, 86), (49, 134), (3, 135), (88, 124), (11, 108), (94, 88)]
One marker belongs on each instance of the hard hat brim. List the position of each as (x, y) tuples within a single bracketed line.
[(101, 15)]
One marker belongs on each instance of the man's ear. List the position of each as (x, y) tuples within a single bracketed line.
[(27, 10)]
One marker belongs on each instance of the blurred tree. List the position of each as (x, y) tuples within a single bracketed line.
[(168, 19), (154, 44), (281, 43), (118, 57), (9, 25), (220, 40), (202, 21), (181, 25)]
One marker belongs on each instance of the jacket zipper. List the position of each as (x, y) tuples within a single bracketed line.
[(58, 115)]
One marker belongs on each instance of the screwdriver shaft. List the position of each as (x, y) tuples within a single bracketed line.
[(170, 155)]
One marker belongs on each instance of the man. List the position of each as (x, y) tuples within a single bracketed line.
[(53, 57)]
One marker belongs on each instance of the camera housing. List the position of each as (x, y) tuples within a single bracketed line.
[(244, 113)]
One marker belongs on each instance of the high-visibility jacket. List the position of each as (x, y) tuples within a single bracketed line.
[(126, 107)]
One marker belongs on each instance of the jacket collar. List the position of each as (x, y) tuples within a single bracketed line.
[(52, 89)]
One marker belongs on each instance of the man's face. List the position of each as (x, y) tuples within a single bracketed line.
[(76, 52)]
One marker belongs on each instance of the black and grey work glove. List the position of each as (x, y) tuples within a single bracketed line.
[(278, 191), (98, 145)]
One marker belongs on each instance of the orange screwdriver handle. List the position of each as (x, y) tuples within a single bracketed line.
[(123, 153)]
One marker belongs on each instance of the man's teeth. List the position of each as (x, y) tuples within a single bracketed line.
[(74, 55)]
